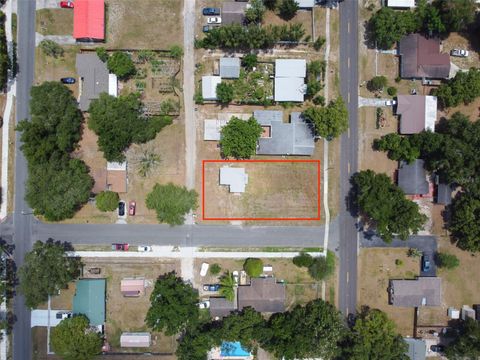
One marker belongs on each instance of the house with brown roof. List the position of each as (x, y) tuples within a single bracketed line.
[(132, 287), (417, 113), (423, 291), (263, 294), (421, 58)]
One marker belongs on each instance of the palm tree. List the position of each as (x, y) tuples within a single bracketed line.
[(146, 162), (227, 286)]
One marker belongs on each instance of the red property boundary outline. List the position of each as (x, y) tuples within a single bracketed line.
[(262, 218)]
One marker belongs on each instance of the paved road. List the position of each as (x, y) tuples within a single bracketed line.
[(349, 155), (22, 344)]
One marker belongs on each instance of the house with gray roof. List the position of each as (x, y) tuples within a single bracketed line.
[(444, 194), (279, 138), (423, 291), (233, 12), (417, 349), (235, 178), (209, 87), (263, 294), (290, 80), (229, 67), (221, 307), (94, 78), (412, 178)]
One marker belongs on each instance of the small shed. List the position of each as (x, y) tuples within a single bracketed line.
[(135, 339), (236, 178), (403, 4), (132, 287), (453, 313), (444, 194), (230, 67), (467, 312), (209, 87), (213, 128)]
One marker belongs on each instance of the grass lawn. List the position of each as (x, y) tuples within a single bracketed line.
[(149, 24), (54, 21)]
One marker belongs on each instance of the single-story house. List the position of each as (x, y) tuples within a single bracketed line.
[(132, 287), (412, 178), (263, 294), (221, 307), (403, 4), (94, 78), (89, 300), (212, 129), (423, 291), (417, 349), (305, 4), (417, 113), (468, 312), (209, 87), (279, 138), (233, 12), (290, 80), (421, 58), (40, 317), (117, 177), (229, 67), (236, 178), (89, 20), (444, 194), (135, 339)]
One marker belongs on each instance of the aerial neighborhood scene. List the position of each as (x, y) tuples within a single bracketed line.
[(239, 179)]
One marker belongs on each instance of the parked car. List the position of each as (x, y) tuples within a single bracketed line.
[(459, 52), (437, 348), (390, 102), (204, 269), (120, 247), (211, 287), (95, 270), (235, 276), (207, 28), (63, 315), (68, 80), (121, 208), (144, 248), (66, 4), (204, 304), (214, 20), (425, 262), (131, 208), (211, 11)]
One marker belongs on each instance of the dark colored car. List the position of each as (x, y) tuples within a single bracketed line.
[(425, 262), (211, 287), (121, 208), (120, 247), (211, 11), (68, 80), (437, 348)]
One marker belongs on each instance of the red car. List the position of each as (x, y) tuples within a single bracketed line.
[(120, 247), (131, 208), (66, 4)]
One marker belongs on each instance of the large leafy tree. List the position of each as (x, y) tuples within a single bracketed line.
[(467, 343), (225, 93), (388, 26), (121, 64), (46, 270), (374, 337), (73, 339), (239, 138), (107, 200), (465, 221), (4, 59), (288, 9), (322, 267), (457, 15), (398, 147), (384, 206), (254, 13), (243, 326), (118, 122), (198, 341), (227, 286), (464, 88), (171, 202), (311, 331), (173, 305), (329, 121)]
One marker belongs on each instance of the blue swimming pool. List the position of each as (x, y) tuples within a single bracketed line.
[(233, 349)]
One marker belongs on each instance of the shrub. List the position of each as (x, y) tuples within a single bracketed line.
[(377, 83), (322, 267), (249, 61), (317, 45), (176, 51), (121, 64), (319, 100), (288, 9), (303, 260), (253, 267), (51, 48), (392, 91), (398, 79), (225, 93), (102, 53), (398, 262), (215, 269), (107, 201), (447, 261)]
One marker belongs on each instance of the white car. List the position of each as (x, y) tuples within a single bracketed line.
[(204, 304), (204, 269), (144, 248), (390, 102), (459, 52), (235, 276), (214, 20)]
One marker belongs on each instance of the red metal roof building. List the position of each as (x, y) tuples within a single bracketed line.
[(89, 20)]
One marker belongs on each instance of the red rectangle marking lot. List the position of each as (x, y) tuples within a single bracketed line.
[(317, 162)]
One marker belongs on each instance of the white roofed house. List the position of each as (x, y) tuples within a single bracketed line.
[(290, 80), (230, 68), (209, 87), (305, 4), (403, 4), (135, 339), (236, 178)]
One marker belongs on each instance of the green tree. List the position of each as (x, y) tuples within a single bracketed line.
[(239, 138), (253, 267), (146, 162), (72, 339), (377, 83), (392, 91), (176, 51), (317, 45), (197, 342), (5, 63), (398, 147), (329, 121), (311, 331), (225, 93), (303, 260), (447, 261), (270, 4), (414, 253), (215, 269), (121, 64), (46, 270), (288, 9), (107, 200), (322, 267), (256, 11), (374, 337), (173, 305), (429, 19), (457, 15), (51, 48), (171, 202), (249, 61), (242, 326), (102, 53), (227, 286), (465, 221), (384, 206), (313, 87), (466, 344), (463, 88), (388, 26)]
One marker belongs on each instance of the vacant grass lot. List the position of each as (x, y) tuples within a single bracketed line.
[(54, 21), (48, 68), (146, 24)]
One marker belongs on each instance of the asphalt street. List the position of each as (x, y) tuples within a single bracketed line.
[(349, 155), (22, 224)]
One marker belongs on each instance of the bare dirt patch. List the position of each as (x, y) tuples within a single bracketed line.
[(54, 21)]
